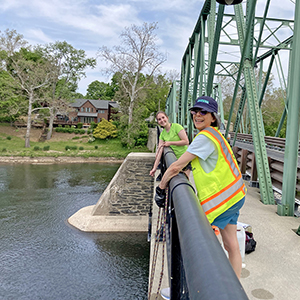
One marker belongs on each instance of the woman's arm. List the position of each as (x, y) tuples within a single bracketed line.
[(175, 168), (157, 157), (183, 140)]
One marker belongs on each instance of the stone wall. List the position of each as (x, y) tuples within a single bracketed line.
[(130, 192)]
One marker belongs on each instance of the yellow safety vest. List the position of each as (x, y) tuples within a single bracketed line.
[(222, 187)]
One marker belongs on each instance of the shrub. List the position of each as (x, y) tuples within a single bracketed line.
[(73, 147), (67, 148), (81, 148), (59, 129), (46, 148), (96, 147), (76, 137), (93, 125), (36, 148), (67, 126), (4, 150), (8, 138), (79, 125), (135, 135), (105, 129)]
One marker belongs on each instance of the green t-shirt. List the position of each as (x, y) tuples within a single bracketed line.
[(172, 136)]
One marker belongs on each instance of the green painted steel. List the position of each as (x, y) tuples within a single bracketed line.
[(265, 181), (286, 208), (259, 42), (215, 32)]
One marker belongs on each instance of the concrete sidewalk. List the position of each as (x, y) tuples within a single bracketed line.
[(272, 271)]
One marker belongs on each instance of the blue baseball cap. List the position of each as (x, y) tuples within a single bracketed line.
[(206, 103)]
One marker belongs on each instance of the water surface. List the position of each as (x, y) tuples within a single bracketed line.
[(43, 257)]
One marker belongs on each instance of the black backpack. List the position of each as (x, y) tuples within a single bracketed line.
[(250, 242)]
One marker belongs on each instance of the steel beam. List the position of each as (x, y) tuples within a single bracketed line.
[(286, 208), (265, 182)]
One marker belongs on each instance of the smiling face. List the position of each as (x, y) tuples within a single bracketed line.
[(201, 122), (162, 119)]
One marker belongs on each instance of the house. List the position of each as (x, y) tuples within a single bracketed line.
[(87, 111)]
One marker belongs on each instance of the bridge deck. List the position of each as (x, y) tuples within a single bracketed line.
[(272, 270)]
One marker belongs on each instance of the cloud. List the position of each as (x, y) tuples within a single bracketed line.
[(89, 24)]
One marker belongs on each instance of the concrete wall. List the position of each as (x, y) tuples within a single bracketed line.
[(152, 138)]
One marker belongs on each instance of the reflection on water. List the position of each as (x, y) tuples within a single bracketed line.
[(43, 257)]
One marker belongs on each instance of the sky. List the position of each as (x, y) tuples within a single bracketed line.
[(90, 24)]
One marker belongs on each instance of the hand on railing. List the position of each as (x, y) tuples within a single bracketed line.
[(160, 197)]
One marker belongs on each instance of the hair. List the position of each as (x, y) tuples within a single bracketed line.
[(217, 122), (160, 112)]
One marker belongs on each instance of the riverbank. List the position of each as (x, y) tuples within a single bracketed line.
[(56, 160), (61, 148)]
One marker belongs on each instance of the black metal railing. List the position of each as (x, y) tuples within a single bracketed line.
[(198, 266)]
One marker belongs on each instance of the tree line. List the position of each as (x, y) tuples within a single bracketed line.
[(44, 79)]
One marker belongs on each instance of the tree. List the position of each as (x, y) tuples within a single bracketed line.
[(271, 106), (70, 64), (12, 101), (137, 54), (98, 90), (30, 72), (157, 93)]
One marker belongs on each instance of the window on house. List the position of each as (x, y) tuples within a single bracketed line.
[(92, 109), (101, 111), (87, 109), (82, 109)]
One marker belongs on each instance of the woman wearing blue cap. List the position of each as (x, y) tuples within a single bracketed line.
[(220, 187)]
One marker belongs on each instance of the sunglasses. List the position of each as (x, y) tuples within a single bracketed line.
[(202, 112)]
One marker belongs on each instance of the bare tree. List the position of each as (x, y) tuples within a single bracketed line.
[(138, 53), (11, 41)]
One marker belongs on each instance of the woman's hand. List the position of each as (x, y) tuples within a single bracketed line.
[(152, 172), (167, 144)]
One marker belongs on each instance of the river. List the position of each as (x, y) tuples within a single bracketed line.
[(43, 257)]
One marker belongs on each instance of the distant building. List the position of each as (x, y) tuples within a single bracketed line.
[(87, 111)]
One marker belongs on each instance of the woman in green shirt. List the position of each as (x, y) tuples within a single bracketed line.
[(174, 136)]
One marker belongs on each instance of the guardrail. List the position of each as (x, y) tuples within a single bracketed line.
[(199, 268), (244, 153), (271, 142)]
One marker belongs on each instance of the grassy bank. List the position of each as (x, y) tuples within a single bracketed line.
[(62, 144)]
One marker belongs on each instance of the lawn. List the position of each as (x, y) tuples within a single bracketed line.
[(11, 144)]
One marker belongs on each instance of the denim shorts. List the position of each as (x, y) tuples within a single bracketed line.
[(230, 216)]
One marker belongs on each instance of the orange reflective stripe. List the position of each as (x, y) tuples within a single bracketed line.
[(222, 191), (241, 189), (227, 156)]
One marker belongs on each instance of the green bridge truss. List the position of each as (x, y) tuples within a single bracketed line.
[(255, 41)]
